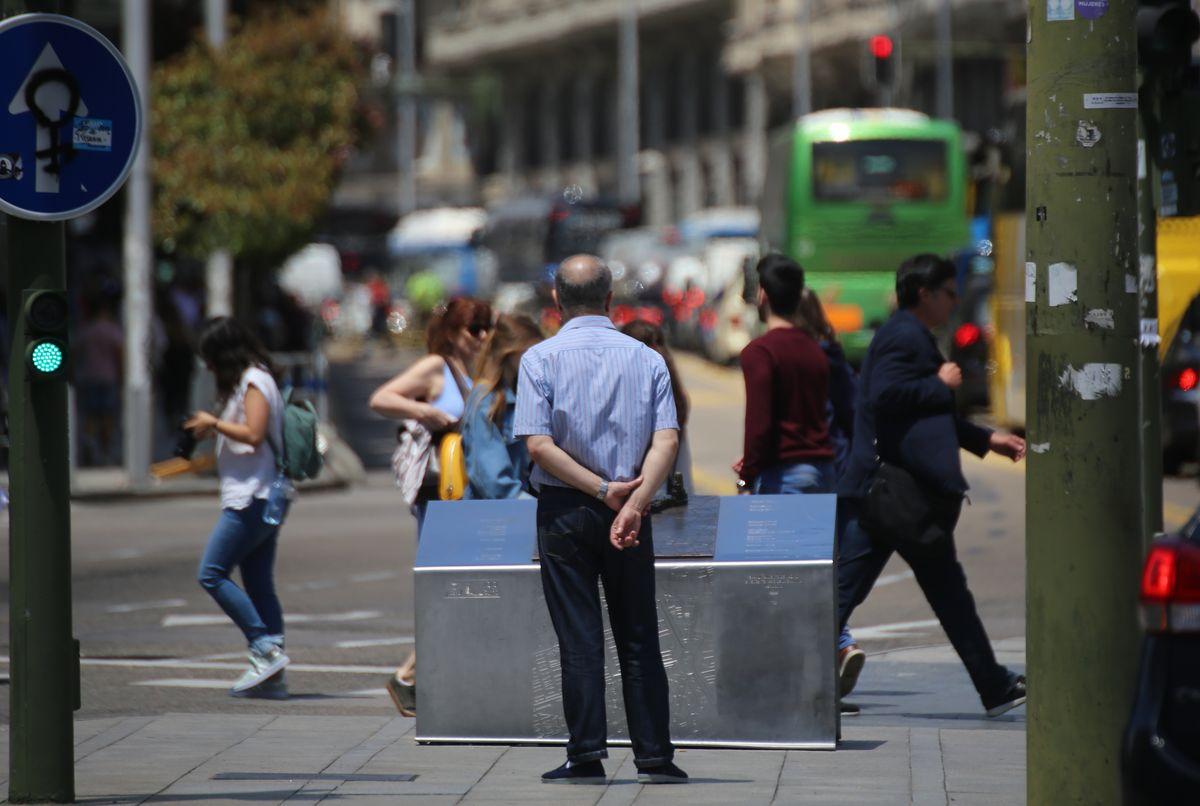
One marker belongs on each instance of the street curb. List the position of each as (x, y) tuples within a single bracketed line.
[(343, 469)]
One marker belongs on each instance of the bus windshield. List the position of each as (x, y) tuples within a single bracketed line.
[(879, 171)]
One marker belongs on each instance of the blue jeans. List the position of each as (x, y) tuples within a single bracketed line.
[(815, 477), (576, 553), (241, 539)]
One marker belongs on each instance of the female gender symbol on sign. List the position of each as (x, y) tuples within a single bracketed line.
[(54, 75)]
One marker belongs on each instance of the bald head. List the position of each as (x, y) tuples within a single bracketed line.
[(582, 285)]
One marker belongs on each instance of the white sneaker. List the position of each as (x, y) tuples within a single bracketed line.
[(262, 666)]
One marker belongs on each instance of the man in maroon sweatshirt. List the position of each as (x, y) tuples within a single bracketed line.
[(787, 445)]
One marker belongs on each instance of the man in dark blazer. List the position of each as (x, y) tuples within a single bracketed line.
[(906, 417)]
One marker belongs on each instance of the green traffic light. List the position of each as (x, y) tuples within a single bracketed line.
[(46, 358)]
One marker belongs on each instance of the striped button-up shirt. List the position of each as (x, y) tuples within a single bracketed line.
[(599, 394)]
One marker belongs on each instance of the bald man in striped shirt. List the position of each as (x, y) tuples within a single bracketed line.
[(599, 418)]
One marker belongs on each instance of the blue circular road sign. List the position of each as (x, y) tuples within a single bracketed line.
[(70, 118)]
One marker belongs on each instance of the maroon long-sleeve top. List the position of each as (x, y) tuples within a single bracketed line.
[(787, 398)]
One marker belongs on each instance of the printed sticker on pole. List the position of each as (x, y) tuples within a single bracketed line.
[(70, 118)]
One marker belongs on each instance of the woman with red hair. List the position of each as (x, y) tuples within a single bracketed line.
[(430, 396)]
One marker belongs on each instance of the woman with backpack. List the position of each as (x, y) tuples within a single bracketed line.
[(249, 432), (498, 464), (429, 399)]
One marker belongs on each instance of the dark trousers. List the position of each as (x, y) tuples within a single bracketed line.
[(575, 551), (944, 584)]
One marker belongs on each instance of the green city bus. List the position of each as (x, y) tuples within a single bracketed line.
[(850, 193)]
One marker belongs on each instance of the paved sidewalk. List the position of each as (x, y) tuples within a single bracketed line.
[(920, 740)]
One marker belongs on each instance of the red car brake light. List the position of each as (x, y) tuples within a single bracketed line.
[(1170, 591), (1186, 380), (967, 334)]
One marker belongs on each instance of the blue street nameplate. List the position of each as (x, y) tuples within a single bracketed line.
[(70, 118)]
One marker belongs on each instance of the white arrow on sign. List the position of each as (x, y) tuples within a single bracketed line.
[(53, 100)]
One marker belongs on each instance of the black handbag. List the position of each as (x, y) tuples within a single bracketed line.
[(901, 513)]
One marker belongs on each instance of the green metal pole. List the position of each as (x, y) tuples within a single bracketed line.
[(1149, 371), (1083, 523), (44, 670)]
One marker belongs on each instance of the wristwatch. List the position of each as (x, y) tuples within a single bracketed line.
[(602, 491)]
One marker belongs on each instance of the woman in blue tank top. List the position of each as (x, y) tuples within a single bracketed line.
[(433, 392)]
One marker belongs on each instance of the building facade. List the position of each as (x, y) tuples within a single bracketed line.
[(524, 97)]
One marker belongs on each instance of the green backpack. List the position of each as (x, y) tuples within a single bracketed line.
[(301, 457)]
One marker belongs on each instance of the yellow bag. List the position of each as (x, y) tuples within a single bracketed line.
[(452, 480)]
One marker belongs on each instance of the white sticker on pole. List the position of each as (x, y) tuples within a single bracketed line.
[(1147, 274), (1060, 10), (1149, 337), (1063, 284), (1093, 381), (1031, 282), (1110, 100), (1141, 159)]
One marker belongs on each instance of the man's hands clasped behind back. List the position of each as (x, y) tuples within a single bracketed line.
[(628, 523)]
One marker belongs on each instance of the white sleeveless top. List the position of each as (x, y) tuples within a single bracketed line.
[(246, 472)]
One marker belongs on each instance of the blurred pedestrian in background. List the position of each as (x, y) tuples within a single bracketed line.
[(843, 388), (787, 447), (653, 337), (249, 431), (599, 414), (99, 363), (177, 363), (843, 382), (498, 462), (908, 434), (429, 399)]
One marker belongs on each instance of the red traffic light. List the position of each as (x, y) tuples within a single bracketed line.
[(881, 46)]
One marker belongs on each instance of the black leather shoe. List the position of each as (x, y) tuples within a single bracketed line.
[(589, 772), (663, 774), (1013, 696)]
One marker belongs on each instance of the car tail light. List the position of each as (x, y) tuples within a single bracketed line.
[(622, 315), (968, 333), (650, 314), (1170, 596), (1186, 379)]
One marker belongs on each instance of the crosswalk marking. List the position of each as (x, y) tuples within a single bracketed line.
[(133, 607), (216, 619), (398, 640)]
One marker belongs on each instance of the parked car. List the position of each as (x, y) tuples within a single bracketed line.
[(1160, 759), (1181, 394)]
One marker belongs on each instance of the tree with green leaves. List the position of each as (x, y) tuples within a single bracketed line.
[(248, 141)]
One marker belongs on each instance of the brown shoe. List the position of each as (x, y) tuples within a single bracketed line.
[(850, 664), (404, 695)]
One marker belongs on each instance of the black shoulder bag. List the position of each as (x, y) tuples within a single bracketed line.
[(901, 513), (904, 514)]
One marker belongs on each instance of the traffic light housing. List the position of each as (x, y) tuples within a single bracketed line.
[(1166, 30), (45, 315), (883, 54)]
